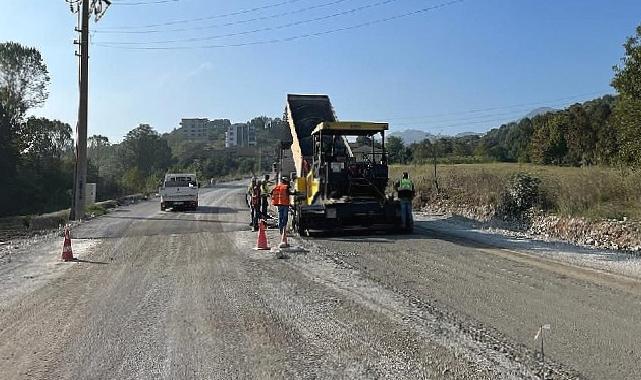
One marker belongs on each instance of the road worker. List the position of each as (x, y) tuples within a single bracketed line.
[(405, 189), (253, 201), (264, 194), (280, 198)]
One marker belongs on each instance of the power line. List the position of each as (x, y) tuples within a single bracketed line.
[(265, 29), (231, 23), (463, 119), (288, 39), (236, 13), (461, 122), (480, 119), (496, 108)]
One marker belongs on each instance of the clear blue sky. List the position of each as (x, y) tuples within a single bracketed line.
[(429, 71)]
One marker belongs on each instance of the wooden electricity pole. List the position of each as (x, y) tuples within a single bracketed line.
[(435, 174), (80, 173)]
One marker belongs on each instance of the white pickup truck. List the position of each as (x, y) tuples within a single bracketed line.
[(179, 191)]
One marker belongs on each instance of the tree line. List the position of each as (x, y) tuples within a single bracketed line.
[(604, 131), (37, 154)]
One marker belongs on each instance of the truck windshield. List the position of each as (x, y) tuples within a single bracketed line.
[(179, 182)]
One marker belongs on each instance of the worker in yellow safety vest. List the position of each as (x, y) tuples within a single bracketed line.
[(405, 189), (264, 194), (280, 198)]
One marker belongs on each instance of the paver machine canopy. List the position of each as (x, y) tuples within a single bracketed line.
[(341, 172)]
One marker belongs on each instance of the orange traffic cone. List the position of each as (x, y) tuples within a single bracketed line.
[(283, 239), (67, 253), (262, 244)]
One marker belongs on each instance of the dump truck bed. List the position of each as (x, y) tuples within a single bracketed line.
[(303, 113)]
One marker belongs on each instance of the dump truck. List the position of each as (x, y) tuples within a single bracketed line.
[(335, 189)]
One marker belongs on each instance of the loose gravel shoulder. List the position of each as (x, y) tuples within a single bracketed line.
[(172, 295)]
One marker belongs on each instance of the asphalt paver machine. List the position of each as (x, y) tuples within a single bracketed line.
[(337, 187)]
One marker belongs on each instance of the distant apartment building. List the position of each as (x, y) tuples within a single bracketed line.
[(240, 135), (201, 129)]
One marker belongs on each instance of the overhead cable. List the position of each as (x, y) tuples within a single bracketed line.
[(265, 29), (287, 39)]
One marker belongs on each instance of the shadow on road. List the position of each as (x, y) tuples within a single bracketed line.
[(226, 186), (423, 230), (173, 219), (89, 262), (215, 210)]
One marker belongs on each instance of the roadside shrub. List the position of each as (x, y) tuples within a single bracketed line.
[(521, 194), (96, 210)]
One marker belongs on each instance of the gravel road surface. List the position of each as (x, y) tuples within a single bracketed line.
[(182, 295)]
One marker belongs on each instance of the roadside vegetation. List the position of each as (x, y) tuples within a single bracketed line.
[(582, 161), (591, 192), (37, 154), (604, 131)]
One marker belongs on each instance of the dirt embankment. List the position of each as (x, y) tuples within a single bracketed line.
[(16, 227), (611, 234)]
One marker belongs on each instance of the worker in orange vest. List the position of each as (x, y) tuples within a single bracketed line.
[(280, 198)]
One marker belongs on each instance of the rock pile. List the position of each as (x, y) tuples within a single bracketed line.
[(609, 234)]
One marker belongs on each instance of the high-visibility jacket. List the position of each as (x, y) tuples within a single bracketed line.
[(406, 184), (264, 188), (280, 195), (405, 188)]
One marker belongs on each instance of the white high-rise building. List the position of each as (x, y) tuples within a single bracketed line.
[(240, 135)]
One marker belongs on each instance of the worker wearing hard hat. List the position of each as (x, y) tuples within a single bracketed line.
[(405, 189)]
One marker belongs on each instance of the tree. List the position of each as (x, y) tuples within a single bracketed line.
[(627, 76), (46, 139), (627, 120), (627, 112), (396, 149), (97, 149), (421, 152), (23, 78), (580, 136), (8, 148), (548, 144), (23, 83), (144, 150)]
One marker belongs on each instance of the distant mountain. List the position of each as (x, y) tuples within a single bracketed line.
[(411, 136), (465, 134), (540, 111)]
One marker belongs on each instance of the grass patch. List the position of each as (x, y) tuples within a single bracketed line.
[(590, 192), (96, 210)]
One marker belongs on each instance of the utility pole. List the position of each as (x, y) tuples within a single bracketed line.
[(435, 176), (260, 156), (86, 7)]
